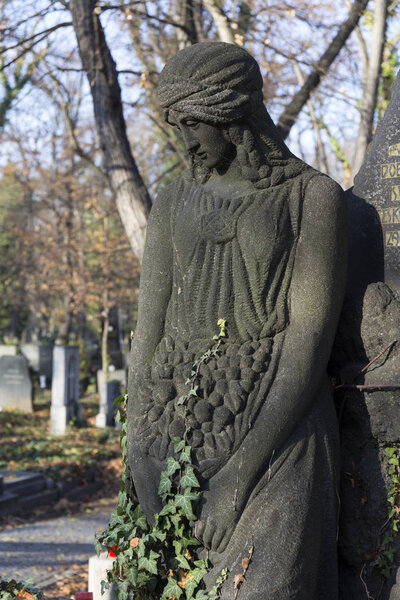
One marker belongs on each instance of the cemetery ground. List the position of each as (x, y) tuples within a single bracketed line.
[(83, 468)]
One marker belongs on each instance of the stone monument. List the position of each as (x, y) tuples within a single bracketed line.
[(64, 389), (253, 235), (15, 383), (367, 398)]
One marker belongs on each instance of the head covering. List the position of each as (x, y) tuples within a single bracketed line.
[(221, 84), (214, 82)]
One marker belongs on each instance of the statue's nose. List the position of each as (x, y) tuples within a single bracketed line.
[(190, 140)]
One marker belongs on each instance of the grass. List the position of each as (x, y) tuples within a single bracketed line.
[(26, 444)]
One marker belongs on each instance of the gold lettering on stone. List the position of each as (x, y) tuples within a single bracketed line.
[(395, 197), (394, 150), (390, 170), (392, 238), (389, 215)]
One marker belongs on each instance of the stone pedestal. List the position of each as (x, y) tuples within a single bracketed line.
[(64, 389), (108, 392), (98, 567)]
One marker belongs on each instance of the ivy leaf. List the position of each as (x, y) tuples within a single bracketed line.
[(172, 466), (98, 546), (140, 518), (165, 485), (172, 589), (185, 503), (168, 509), (181, 400), (178, 444), (179, 526), (189, 479), (116, 520), (182, 562), (148, 564), (185, 455)]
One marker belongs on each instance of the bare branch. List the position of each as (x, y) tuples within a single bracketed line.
[(293, 109)]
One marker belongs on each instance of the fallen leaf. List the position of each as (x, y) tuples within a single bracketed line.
[(238, 579), (24, 595), (134, 542), (245, 563)]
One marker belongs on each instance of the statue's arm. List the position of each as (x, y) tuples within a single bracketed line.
[(316, 296), (155, 291), (155, 283)]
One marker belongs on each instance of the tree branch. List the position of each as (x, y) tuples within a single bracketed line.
[(293, 109)]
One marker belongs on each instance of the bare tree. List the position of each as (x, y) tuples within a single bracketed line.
[(371, 82), (292, 110), (132, 198)]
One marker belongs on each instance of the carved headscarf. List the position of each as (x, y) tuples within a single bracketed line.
[(212, 82), (221, 84)]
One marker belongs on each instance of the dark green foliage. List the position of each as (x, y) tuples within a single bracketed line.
[(160, 561)]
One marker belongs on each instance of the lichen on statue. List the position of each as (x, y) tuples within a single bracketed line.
[(252, 234)]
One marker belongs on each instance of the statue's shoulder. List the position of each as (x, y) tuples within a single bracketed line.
[(323, 196), (164, 198)]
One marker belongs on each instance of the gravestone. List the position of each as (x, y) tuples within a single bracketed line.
[(64, 389), (108, 391), (31, 353), (15, 383), (378, 183), (369, 330), (113, 375), (235, 238), (46, 362), (6, 350)]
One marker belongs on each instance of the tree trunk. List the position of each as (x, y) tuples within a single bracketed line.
[(293, 109), (371, 82), (104, 339), (221, 21), (186, 12), (132, 198)]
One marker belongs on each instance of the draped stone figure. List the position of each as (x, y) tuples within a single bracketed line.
[(253, 235)]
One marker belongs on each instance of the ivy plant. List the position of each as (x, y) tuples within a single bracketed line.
[(160, 561)]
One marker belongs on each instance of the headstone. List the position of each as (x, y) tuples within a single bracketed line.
[(115, 375), (64, 389), (114, 339), (108, 392), (31, 353), (368, 334), (46, 362), (15, 383), (98, 567), (6, 350), (252, 235), (378, 184)]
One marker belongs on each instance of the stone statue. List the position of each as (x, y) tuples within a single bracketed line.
[(253, 235)]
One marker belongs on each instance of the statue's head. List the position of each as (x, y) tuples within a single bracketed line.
[(213, 92)]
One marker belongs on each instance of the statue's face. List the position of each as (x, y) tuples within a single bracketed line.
[(205, 142)]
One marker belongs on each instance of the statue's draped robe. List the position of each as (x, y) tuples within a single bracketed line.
[(233, 258)]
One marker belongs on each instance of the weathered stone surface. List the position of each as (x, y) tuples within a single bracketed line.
[(251, 234), (378, 183), (15, 383), (369, 423), (64, 389), (370, 322)]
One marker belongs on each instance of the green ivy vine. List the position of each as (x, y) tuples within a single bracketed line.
[(159, 561), (387, 550)]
